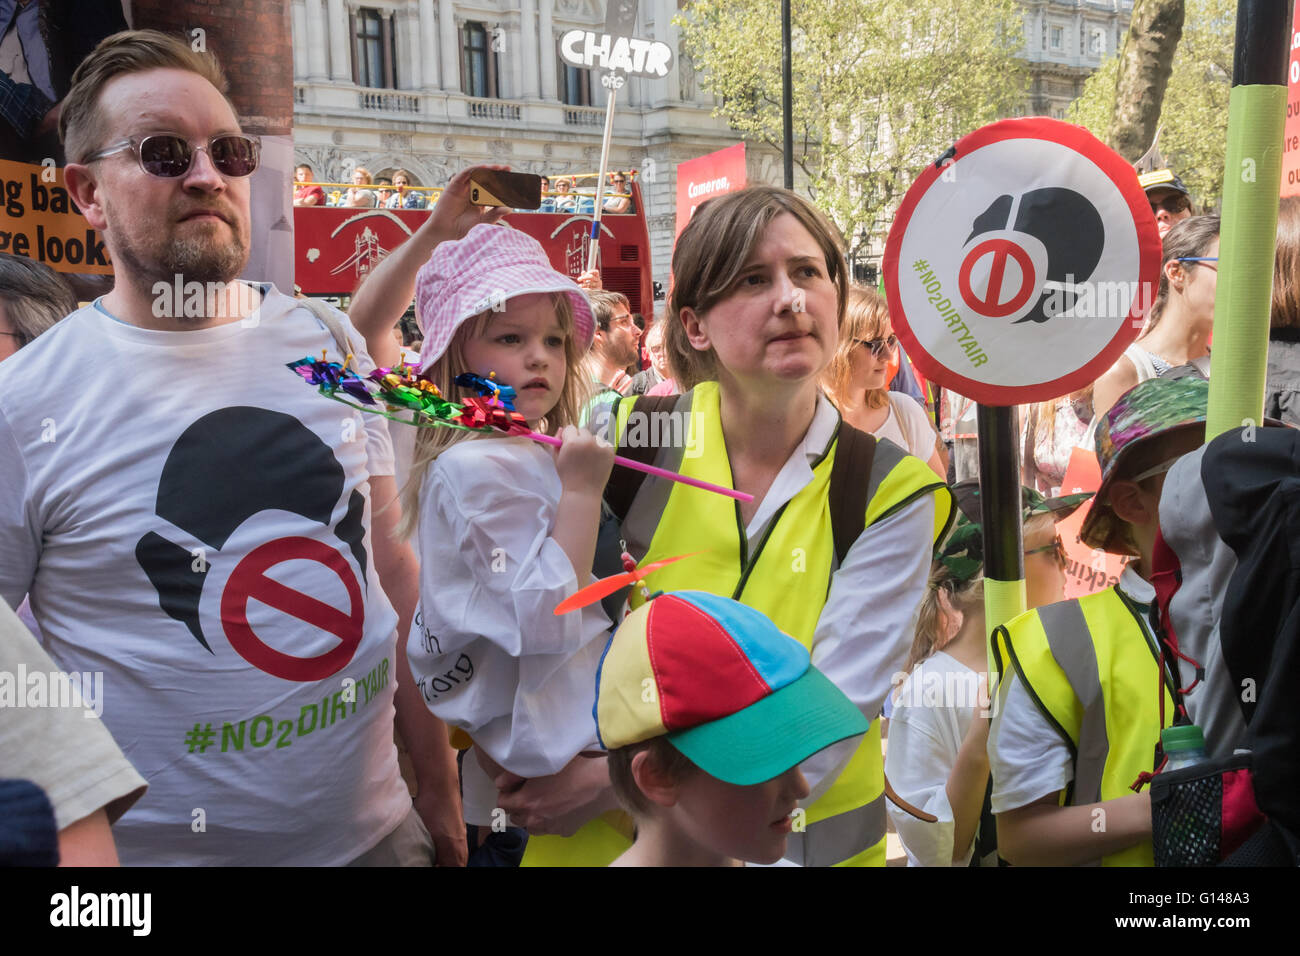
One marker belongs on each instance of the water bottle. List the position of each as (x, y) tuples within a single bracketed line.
[(1184, 746)]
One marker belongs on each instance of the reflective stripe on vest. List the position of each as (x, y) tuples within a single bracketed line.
[(1090, 667), (836, 839), (787, 577)]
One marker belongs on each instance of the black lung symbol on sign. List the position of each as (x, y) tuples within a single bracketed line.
[(226, 467), (1070, 228)]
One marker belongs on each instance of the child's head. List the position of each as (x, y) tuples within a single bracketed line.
[(1150, 427), (491, 303), (707, 710), (956, 588)]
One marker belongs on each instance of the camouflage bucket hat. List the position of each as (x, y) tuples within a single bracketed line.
[(962, 552), (1155, 408)]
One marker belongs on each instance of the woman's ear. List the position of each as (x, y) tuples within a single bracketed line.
[(1174, 274), (659, 787), (697, 329)]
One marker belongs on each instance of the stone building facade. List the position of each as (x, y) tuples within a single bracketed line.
[(432, 86)]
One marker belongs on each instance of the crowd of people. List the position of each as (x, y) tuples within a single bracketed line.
[(396, 192), (254, 587)]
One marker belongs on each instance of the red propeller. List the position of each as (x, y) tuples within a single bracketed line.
[(605, 586)]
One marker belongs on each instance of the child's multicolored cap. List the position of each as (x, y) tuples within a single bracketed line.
[(735, 695)]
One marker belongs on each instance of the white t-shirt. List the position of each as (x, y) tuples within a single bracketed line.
[(908, 427), (933, 712), (1027, 756), (488, 652), (192, 520)]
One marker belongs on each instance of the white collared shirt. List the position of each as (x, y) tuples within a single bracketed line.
[(866, 626)]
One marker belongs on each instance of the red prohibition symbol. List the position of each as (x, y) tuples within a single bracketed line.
[(991, 305), (249, 582)]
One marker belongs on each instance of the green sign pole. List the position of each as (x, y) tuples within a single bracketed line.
[(1252, 180)]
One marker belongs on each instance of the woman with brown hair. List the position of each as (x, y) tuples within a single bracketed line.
[(857, 381), (1282, 394), (759, 295)]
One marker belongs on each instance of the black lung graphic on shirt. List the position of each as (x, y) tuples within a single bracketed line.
[(226, 467), (1070, 228)]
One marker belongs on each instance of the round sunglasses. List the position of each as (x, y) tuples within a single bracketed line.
[(1171, 204), (168, 156), (879, 345)]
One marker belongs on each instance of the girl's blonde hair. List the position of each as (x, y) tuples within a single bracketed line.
[(866, 318), (964, 596), (932, 621), (430, 442)]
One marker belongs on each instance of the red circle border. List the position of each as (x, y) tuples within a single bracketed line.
[(1118, 171)]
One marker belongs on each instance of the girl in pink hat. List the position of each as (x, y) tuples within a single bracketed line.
[(506, 527)]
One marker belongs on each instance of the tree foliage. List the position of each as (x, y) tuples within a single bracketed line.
[(880, 87), (1194, 114)]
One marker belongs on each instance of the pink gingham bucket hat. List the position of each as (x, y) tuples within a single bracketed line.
[(492, 264)]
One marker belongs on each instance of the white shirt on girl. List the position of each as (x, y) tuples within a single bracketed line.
[(931, 715), (488, 653)]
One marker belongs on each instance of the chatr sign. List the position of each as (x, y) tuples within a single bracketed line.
[(707, 176), (630, 55)]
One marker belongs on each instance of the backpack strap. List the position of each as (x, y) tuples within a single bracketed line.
[(332, 319), (624, 483), (850, 481)]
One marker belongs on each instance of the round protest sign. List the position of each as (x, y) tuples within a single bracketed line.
[(1022, 264)]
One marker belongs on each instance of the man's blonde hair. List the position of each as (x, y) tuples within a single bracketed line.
[(82, 126), (710, 253)]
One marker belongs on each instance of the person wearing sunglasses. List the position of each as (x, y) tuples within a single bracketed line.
[(1181, 318), (187, 471), (621, 199), (857, 381), (1171, 202)]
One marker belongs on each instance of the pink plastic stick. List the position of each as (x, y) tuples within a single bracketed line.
[(652, 470)]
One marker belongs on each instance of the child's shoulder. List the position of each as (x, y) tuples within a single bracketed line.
[(492, 459)]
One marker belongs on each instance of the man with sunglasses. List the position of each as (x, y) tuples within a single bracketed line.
[(199, 527), (1171, 202)]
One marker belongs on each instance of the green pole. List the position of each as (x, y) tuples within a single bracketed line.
[(1252, 181)]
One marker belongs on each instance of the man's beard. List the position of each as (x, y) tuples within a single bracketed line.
[(192, 259)]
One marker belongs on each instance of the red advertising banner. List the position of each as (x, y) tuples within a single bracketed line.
[(1291, 140), (711, 175)]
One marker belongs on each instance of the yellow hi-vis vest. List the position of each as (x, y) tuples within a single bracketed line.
[(1092, 670), (787, 578)]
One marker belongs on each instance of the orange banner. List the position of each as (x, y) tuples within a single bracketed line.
[(40, 221), (1087, 570)]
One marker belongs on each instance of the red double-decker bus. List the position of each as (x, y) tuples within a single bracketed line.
[(335, 247)]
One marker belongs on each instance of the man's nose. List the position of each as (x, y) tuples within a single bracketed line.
[(203, 173)]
